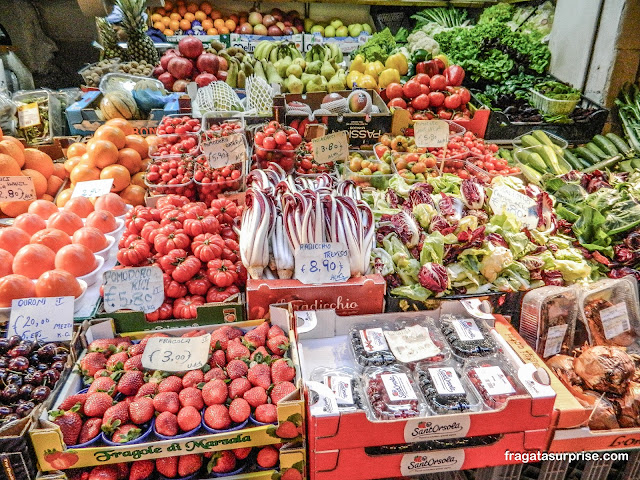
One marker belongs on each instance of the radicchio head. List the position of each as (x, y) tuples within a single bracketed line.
[(434, 277), (393, 199), (546, 217), (553, 277), (623, 254), (439, 224), (419, 194), (498, 240), (594, 181), (623, 272), (532, 191), (473, 195), (406, 227), (633, 240), (450, 207)]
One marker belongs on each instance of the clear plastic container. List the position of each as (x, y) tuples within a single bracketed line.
[(561, 142), (369, 345), (467, 337), (400, 163), (285, 158), (493, 380), (364, 180), (125, 81), (214, 119), (550, 106), (187, 188), (169, 141), (344, 384), (548, 319), (38, 127), (182, 117), (444, 390), (93, 73), (211, 182), (609, 310), (391, 393), (520, 157), (413, 341)]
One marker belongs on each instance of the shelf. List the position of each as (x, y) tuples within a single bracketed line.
[(414, 3)]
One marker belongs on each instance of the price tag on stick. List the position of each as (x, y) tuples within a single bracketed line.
[(48, 319), (505, 199), (322, 263), (176, 354), (17, 189), (139, 288), (92, 188), (225, 151), (331, 148), (431, 133)]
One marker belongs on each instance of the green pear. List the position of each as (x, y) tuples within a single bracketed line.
[(355, 29), (342, 31), (306, 78), (295, 85), (295, 70), (300, 61), (330, 31), (327, 70), (335, 84), (314, 67), (308, 24), (367, 28), (317, 84), (336, 23), (317, 28)]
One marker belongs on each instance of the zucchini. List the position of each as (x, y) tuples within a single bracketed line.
[(605, 145), (530, 141), (620, 144), (587, 155), (596, 150), (572, 160), (542, 137), (609, 162), (626, 166), (635, 163), (506, 154)]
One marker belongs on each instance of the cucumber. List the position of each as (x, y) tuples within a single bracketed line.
[(586, 154), (609, 162), (572, 160), (605, 145), (596, 150), (620, 144), (530, 141)]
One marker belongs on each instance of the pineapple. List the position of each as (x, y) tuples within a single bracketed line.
[(140, 46), (109, 41)]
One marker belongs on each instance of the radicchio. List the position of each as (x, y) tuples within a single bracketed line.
[(393, 199), (473, 195), (623, 272), (419, 194), (532, 262), (546, 217), (497, 240), (623, 255), (434, 277), (594, 181), (532, 191), (633, 240), (553, 277), (439, 224), (572, 176), (473, 240), (481, 215), (405, 225)]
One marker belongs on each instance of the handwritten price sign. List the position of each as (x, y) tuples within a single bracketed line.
[(47, 319), (505, 199), (322, 263), (92, 188), (431, 133), (176, 354), (331, 148), (139, 288), (17, 189), (225, 151)]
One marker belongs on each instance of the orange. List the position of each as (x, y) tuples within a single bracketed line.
[(207, 24), (112, 134), (158, 25), (223, 30), (59, 171), (218, 23), (63, 197), (57, 283), (81, 206), (138, 179), (212, 31), (230, 24), (102, 153), (200, 15), (33, 260), (130, 159), (6, 263), (185, 24), (139, 144), (161, 11), (174, 25), (66, 221), (43, 209), (76, 259), (13, 287), (133, 195), (112, 203), (206, 7), (13, 239), (77, 149), (39, 182), (53, 185), (30, 223), (189, 16), (10, 148), (122, 124), (168, 32), (166, 21), (86, 160), (175, 16), (192, 8), (215, 14), (119, 173), (34, 159), (13, 209), (103, 221), (51, 237), (14, 140), (71, 162), (84, 173), (156, 17), (8, 166)]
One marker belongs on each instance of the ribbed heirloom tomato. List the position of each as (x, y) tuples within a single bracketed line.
[(207, 246), (186, 268), (135, 254), (221, 273), (187, 307)]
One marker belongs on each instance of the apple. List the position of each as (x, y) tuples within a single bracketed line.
[(318, 28), (280, 25), (367, 28), (268, 20), (294, 31), (330, 31), (336, 23), (355, 29), (342, 31), (259, 29), (255, 18)]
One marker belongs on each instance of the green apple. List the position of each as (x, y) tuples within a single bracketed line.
[(317, 28), (336, 23), (308, 24), (329, 31), (367, 28), (342, 31), (355, 29)]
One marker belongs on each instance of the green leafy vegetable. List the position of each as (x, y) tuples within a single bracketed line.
[(378, 46)]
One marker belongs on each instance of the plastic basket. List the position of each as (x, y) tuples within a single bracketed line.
[(187, 189), (394, 21), (381, 182), (549, 106)]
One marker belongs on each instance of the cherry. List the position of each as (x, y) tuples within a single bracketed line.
[(41, 393), (18, 364)]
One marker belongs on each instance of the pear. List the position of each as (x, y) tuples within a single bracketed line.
[(300, 61), (294, 69), (314, 67), (294, 84), (282, 65), (336, 84), (317, 84), (327, 70), (306, 78)]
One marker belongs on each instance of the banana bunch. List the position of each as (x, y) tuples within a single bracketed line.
[(324, 52), (274, 51)]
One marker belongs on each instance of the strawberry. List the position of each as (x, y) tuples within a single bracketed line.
[(69, 402), (70, 424), (104, 472), (242, 453), (192, 378), (281, 390), (237, 350), (215, 392), (231, 332), (167, 402), (103, 384), (131, 382), (218, 359), (167, 466), (90, 430), (287, 430), (134, 363), (189, 464), (103, 372), (267, 457), (189, 418), (236, 369), (92, 362), (135, 349), (103, 345), (191, 397), (116, 361), (282, 371), (260, 375), (97, 403), (167, 424), (219, 339), (123, 470), (291, 474), (115, 416), (275, 331), (217, 417), (262, 329), (238, 386), (223, 462), (260, 355), (255, 338), (141, 469), (193, 333), (150, 389), (141, 410), (170, 384), (266, 413), (256, 396), (126, 433), (216, 372), (278, 345), (239, 410)]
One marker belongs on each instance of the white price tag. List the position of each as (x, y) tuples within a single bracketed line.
[(467, 329), (17, 189), (398, 387), (331, 148), (431, 133), (494, 380), (48, 319), (505, 199), (615, 320), (555, 336), (177, 354), (322, 263), (446, 381), (137, 288), (92, 188), (29, 115), (225, 151)]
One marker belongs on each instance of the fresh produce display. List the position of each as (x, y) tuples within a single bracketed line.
[(29, 372), (139, 45), (628, 103), (384, 403), (45, 128), (365, 170), (171, 175)]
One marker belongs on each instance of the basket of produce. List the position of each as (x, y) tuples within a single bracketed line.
[(93, 73), (555, 98)]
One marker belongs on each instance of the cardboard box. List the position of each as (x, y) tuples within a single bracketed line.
[(83, 118), (206, 39), (362, 129), (363, 464), (16, 454), (323, 341), (47, 438), (403, 125), (249, 42), (357, 296)]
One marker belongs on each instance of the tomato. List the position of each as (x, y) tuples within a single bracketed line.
[(231, 250), (452, 101), (242, 274), (163, 313), (438, 82), (224, 210), (411, 89), (280, 138), (169, 261), (295, 139), (221, 273), (269, 143), (422, 79), (149, 231), (137, 218), (194, 210), (207, 247), (465, 95), (394, 90), (436, 99), (126, 240), (172, 288), (199, 284), (186, 269), (165, 242), (187, 307), (421, 102), (217, 294), (397, 103), (424, 89), (197, 226), (135, 254), (171, 200)]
